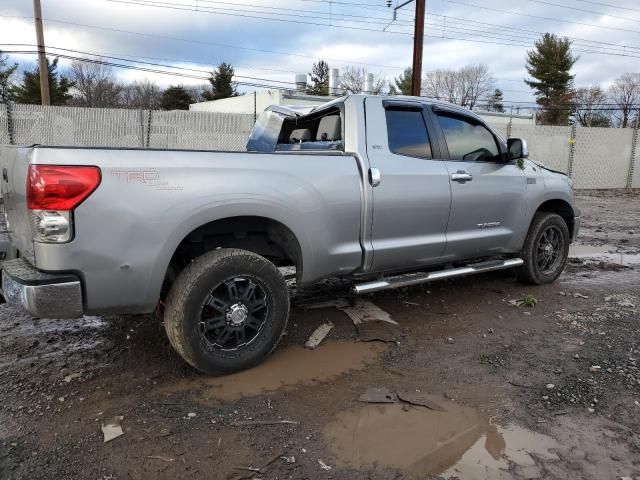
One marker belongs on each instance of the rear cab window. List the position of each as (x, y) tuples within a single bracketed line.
[(407, 133), (468, 140)]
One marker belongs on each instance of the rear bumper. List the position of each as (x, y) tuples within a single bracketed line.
[(39, 293)]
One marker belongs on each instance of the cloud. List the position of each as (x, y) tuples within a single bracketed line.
[(275, 49)]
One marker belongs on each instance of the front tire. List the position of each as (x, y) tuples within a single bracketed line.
[(545, 249), (226, 311)]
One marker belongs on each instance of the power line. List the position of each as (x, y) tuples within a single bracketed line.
[(180, 7), (208, 72), (522, 104), (509, 12), (543, 2), (195, 9), (609, 5), (151, 70), (518, 29), (202, 42)]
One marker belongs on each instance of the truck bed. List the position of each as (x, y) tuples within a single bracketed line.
[(148, 201)]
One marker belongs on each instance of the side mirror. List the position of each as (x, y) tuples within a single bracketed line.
[(517, 148)]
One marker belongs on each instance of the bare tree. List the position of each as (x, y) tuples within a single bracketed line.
[(441, 85), (475, 82), (625, 93), (94, 85), (144, 94), (464, 86), (354, 78), (588, 110)]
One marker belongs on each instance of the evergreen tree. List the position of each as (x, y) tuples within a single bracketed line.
[(175, 98), (6, 72), (29, 89), (222, 84), (495, 101), (319, 79), (550, 63), (403, 82)]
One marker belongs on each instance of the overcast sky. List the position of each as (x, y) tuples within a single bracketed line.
[(292, 34)]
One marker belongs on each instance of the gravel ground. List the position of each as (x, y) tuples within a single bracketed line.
[(545, 391)]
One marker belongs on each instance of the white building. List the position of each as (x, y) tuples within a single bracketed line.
[(256, 102)]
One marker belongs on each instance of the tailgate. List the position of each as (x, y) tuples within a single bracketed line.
[(14, 165)]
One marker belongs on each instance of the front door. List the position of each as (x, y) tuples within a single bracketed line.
[(488, 194), (412, 199)]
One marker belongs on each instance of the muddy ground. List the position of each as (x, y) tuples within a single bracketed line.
[(514, 391)]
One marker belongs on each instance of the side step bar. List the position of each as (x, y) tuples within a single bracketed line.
[(409, 279)]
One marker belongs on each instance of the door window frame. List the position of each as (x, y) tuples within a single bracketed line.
[(432, 133), (433, 110)]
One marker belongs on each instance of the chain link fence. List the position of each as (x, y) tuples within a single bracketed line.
[(111, 127), (594, 157)]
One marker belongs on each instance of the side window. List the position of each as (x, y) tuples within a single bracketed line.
[(468, 141), (407, 133)]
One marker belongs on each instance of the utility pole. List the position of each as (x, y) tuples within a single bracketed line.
[(418, 37), (42, 56)]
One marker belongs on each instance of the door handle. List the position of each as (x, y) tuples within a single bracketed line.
[(461, 176), (374, 177)]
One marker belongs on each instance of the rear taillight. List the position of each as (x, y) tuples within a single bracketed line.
[(53, 191), (59, 187)]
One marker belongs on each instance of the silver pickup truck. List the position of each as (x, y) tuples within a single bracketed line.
[(387, 191)]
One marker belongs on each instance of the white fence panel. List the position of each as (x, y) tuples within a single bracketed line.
[(635, 181), (4, 127), (77, 126), (500, 127), (601, 157), (547, 144), (200, 130)]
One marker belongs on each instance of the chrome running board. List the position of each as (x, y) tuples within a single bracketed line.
[(409, 279)]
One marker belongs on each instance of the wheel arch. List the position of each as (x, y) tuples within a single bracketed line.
[(562, 208), (262, 235)]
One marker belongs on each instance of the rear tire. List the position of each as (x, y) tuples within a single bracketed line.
[(226, 311), (545, 249)]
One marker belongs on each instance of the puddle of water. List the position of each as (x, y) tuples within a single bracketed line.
[(418, 442), (288, 367), (603, 253)]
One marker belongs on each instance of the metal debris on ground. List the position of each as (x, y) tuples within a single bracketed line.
[(419, 399), (160, 457), (250, 470), (579, 295), (378, 395), (245, 423), (371, 322), (323, 465), (112, 429), (376, 332), (357, 310), (318, 335), (594, 368), (72, 376)]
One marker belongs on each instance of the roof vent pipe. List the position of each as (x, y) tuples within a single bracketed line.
[(334, 82), (368, 83), (301, 82)]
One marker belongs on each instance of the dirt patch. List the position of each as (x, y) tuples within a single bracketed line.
[(462, 343)]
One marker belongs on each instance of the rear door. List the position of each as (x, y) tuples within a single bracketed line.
[(412, 200), (488, 201)]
